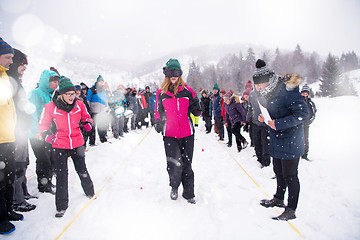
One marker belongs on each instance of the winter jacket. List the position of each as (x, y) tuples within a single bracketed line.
[(133, 103), (205, 107), (217, 105), (152, 101), (67, 131), (254, 109), (287, 107), (174, 111), (312, 111), (117, 104), (96, 97), (39, 97), (235, 111), (223, 110), (7, 110)]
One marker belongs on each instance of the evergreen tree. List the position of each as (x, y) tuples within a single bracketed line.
[(194, 77), (330, 78)]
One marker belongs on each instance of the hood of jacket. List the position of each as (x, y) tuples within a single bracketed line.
[(44, 80)]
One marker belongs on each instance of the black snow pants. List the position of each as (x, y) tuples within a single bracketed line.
[(260, 139), (179, 154), (61, 166), (44, 164), (7, 176), (286, 171)]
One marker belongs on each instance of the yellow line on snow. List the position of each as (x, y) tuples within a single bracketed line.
[(292, 226)]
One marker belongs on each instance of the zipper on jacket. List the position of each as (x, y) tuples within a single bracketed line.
[(71, 147)]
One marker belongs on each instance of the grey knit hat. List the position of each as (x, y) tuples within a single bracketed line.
[(262, 73)]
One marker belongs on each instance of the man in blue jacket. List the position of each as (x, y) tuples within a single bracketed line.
[(97, 98), (219, 120), (288, 112)]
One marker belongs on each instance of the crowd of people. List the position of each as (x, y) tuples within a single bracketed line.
[(59, 119)]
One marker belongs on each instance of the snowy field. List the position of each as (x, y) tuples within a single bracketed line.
[(133, 194)]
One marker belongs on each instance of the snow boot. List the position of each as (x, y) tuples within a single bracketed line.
[(229, 144), (191, 200), (13, 216), (288, 214), (239, 148), (6, 227), (275, 202), (60, 213), (245, 144), (23, 207), (174, 193)]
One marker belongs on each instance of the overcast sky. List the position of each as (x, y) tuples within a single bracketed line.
[(148, 29)]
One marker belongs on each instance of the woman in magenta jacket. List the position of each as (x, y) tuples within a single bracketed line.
[(60, 125), (174, 103)]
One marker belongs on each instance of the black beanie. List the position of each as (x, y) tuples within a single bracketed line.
[(262, 73), (66, 85), (18, 59)]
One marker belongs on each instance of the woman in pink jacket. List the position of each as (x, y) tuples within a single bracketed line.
[(174, 103), (60, 125)]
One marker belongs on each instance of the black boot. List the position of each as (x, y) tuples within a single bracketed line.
[(60, 213), (6, 227), (239, 148), (275, 202), (191, 200), (23, 207), (288, 214), (13, 216), (174, 193), (229, 144)]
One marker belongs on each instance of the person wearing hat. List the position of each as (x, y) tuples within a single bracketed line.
[(235, 114), (206, 110), (219, 120), (7, 142), (288, 112), (258, 131), (15, 72), (96, 97), (59, 126), (174, 102), (134, 107), (117, 104), (305, 92), (48, 82)]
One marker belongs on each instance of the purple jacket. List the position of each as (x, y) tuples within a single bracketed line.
[(235, 111)]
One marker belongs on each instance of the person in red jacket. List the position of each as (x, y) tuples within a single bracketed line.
[(60, 125), (174, 103)]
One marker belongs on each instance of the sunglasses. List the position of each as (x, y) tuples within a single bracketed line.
[(172, 72)]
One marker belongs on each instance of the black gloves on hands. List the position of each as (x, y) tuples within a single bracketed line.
[(159, 125)]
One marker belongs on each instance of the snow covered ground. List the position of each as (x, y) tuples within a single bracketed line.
[(133, 194)]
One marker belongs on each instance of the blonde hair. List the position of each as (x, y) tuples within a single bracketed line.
[(167, 82)]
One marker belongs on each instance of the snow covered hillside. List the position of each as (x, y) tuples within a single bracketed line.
[(133, 194)]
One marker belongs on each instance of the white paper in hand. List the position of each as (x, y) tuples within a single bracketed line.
[(265, 113)]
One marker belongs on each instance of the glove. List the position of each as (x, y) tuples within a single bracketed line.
[(49, 138), (87, 127), (159, 125)]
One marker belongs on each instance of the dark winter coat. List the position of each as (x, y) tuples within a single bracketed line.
[(312, 111), (205, 107), (133, 103), (217, 105), (287, 107), (235, 111)]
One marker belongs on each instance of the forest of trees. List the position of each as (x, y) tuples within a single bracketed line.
[(234, 70)]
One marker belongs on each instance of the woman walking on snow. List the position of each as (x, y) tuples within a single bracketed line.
[(60, 125), (174, 103)]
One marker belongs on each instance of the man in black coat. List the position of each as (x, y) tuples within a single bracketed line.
[(15, 72)]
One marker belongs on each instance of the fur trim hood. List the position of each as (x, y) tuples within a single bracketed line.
[(292, 81)]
